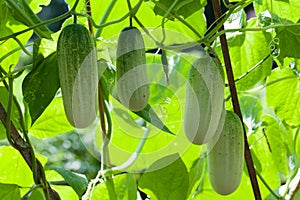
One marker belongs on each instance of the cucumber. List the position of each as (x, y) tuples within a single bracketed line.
[(204, 100), (77, 67), (226, 156), (132, 78)]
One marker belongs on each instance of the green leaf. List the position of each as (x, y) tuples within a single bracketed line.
[(65, 192), (22, 12), (15, 170), (283, 94), (52, 122), (277, 138), (288, 9), (184, 8), (37, 6), (37, 194), (9, 49), (246, 51), (14, 113), (40, 86), (251, 110), (9, 192), (259, 145), (124, 186), (169, 182), (288, 40), (78, 182), (195, 174), (149, 115)]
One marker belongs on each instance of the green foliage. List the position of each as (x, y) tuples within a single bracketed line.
[(148, 150), (174, 179), (37, 91), (9, 191), (283, 95), (121, 187), (78, 183)]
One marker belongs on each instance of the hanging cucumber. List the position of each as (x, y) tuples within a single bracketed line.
[(204, 100), (77, 63), (132, 78), (226, 156)]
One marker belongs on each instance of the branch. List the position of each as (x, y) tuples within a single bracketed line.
[(235, 102)]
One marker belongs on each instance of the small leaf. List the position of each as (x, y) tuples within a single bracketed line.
[(167, 178), (9, 192), (77, 182), (252, 111), (149, 115), (40, 86)]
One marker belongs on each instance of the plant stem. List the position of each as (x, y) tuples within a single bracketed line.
[(235, 102), (89, 12), (105, 17)]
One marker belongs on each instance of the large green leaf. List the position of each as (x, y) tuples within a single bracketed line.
[(123, 185), (286, 41), (246, 51), (77, 182), (15, 170), (260, 146), (277, 137), (8, 26), (40, 86), (181, 8), (22, 12), (52, 122), (283, 94), (169, 182), (9, 192), (288, 9)]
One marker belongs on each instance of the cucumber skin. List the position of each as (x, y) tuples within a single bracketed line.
[(132, 77), (226, 156), (204, 101), (78, 74)]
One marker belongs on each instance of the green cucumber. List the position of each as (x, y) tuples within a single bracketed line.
[(132, 78), (226, 156), (77, 67), (204, 100)]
